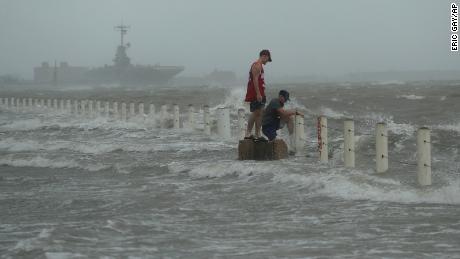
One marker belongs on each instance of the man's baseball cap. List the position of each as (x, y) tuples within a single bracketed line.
[(266, 52), (285, 94)]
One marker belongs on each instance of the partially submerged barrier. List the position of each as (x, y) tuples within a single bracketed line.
[(92, 108)]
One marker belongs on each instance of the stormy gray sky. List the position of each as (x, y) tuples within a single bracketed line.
[(306, 37)]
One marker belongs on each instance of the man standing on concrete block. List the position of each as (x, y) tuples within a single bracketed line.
[(255, 94), (275, 117)]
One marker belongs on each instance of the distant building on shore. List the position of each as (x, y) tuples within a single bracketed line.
[(62, 74)]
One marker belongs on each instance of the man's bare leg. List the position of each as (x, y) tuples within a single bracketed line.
[(289, 120), (254, 118), (258, 122), (251, 122)]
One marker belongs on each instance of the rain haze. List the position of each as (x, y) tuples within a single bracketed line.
[(305, 37), (229, 129)]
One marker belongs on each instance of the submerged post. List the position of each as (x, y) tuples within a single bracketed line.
[(152, 110), (107, 109), (132, 111), (349, 143), (424, 156), (299, 138), (61, 105), (191, 116), (381, 148), (123, 111), (206, 120), (176, 113), (322, 141), (90, 109), (223, 123), (98, 108), (115, 110), (24, 103), (164, 116), (141, 110), (75, 107), (68, 106), (241, 123), (83, 104)]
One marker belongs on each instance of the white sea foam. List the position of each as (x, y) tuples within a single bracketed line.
[(448, 127), (411, 97), (328, 112), (360, 186), (320, 180), (42, 162)]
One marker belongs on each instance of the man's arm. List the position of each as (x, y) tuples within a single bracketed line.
[(287, 113), (256, 70)]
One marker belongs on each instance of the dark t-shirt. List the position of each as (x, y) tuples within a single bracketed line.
[(271, 116)]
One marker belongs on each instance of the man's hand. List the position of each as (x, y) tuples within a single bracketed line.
[(299, 113), (259, 97)]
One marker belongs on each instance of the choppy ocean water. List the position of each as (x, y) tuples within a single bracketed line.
[(77, 187)]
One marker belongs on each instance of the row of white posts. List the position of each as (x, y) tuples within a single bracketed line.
[(224, 129), (381, 146), (94, 108)]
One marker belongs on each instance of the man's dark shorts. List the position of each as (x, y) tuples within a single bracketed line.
[(255, 105), (269, 130)]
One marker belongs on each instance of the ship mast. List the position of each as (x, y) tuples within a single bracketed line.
[(121, 59), (123, 29)]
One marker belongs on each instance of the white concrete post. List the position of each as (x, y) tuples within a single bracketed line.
[(132, 111), (123, 111), (299, 135), (115, 110), (241, 124), (24, 103), (176, 123), (206, 120), (48, 103), (324, 151), (61, 105), (18, 104), (349, 143), (141, 109), (424, 156), (30, 103), (381, 148), (12, 104), (223, 123), (42, 103), (55, 104), (191, 116), (152, 110), (106, 109), (98, 108), (68, 106), (90, 108), (75, 107), (163, 116), (84, 104)]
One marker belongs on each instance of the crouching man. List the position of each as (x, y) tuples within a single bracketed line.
[(275, 117)]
